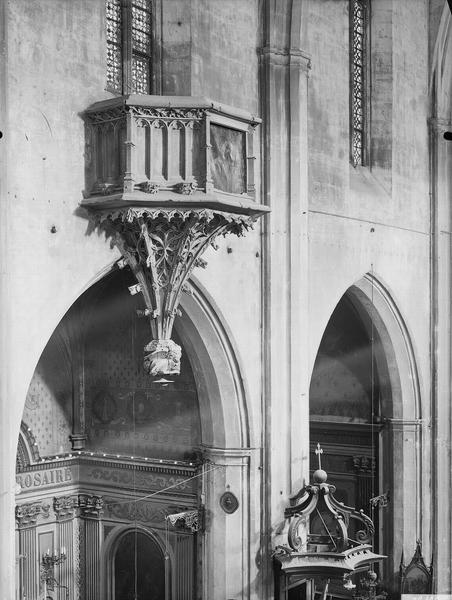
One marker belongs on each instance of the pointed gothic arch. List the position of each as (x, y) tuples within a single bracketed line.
[(225, 445), (112, 545), (400, 416)]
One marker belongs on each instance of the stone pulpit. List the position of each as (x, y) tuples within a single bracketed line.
[(165, 177)]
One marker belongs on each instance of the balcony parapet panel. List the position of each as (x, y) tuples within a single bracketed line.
[(170, 150)]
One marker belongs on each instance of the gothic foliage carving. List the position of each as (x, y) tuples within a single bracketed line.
[(162, 247), (190, 520), (65, 506)]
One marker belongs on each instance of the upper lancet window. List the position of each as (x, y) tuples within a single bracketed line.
[(129, 46), (359, 10)]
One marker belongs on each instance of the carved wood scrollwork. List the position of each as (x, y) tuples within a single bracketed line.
[(297, 534), (318, 538), (363, 536)]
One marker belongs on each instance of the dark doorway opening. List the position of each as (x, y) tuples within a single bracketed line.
[(139, 568)]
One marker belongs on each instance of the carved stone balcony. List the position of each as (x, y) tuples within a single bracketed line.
[(164, 177), (170, 150)]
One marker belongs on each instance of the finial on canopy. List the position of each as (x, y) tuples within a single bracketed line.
[(319, 476)]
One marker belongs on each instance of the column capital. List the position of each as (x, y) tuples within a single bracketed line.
[(91, 506), (27, 515), (65, 507), (286, 56), (440, 125), (404, 424), (227, 456)]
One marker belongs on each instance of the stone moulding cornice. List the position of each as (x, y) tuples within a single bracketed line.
[(144, 511), (286, 56), (439, 125), (190, 107), (146, 465), (404, 423), (167, 200), (130, 214)]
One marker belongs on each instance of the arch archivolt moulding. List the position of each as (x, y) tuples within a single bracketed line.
[(441, 77), (222, 388), (227, 436), (110, 546), (404, 439), (372, 296), (405, 435)]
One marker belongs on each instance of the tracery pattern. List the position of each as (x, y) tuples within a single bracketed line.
[(141, 46), (129, 45), (358, 79), (114, 52)]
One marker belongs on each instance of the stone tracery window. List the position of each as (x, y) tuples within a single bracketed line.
[(359, 11), (129, 46)]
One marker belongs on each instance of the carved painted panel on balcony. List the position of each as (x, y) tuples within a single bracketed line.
[(228, 168)]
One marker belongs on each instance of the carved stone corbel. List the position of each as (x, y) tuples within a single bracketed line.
[(190, 520), (162, 247)]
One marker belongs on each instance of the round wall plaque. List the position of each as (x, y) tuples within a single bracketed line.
[(229, 503)]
